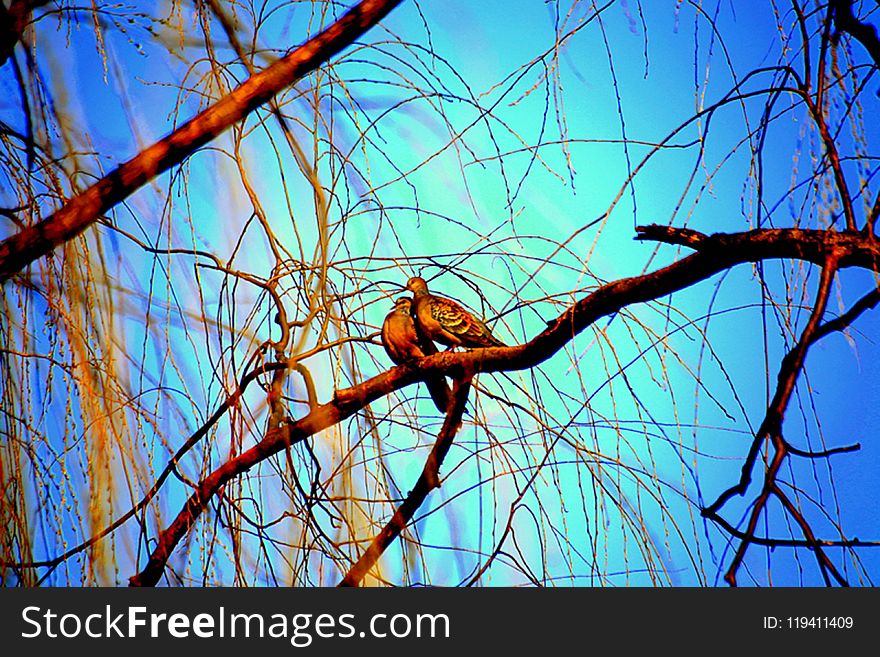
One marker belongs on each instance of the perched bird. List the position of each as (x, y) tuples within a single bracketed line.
[(447, 322), (403, 343)]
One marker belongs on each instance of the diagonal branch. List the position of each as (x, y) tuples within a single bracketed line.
[(80, 212), (771, 430), (783, 448), (867, 302), (715, 253), (320, 418), (170, 468), (864, 33), (427, 481)]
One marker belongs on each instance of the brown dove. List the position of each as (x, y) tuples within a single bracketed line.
[(446, 321), (403, 343)]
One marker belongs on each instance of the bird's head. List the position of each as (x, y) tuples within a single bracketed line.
[(417, 285), (403, 305)]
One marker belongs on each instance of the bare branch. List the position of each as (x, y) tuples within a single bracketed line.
[(717, 253), (83, 210), (771, 430), (427, 481)]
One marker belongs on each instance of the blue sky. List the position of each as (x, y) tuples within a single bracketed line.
[(463, 178)]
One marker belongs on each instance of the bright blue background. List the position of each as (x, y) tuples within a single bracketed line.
[(653, 409)]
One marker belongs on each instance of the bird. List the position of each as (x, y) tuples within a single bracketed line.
[(446, 321), (403, 343)]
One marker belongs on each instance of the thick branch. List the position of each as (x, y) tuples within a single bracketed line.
[(850, 247), (80, 212), (13, 21), (716, 253), (864, 33)]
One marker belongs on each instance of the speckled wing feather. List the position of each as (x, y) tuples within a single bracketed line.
[(459, 322), (446, 321)]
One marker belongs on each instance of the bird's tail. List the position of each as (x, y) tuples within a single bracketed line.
[(440, 393), (495, 341)]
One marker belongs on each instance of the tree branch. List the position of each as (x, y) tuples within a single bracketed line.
[(864, 33), (427, 481), (80, 212), (716, 253), (771, 429), (170, 467), (786, 369)]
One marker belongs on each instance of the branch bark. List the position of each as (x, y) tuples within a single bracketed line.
[(80, 212)]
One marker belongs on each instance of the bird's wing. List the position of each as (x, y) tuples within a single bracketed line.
[(452, 316), (455, 320)]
